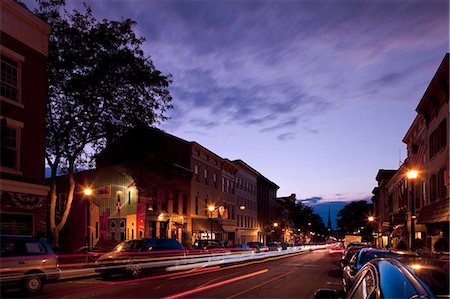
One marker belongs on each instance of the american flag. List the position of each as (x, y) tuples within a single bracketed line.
[(417, 156), (118, 205)]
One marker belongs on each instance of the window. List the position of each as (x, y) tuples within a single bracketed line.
[(35, 247), (438, 138), (196, 172), (196, 204), (9, 145), (9, 79), (175, 203), (185, 203), (113, 224), (205, 174), (215, 180)]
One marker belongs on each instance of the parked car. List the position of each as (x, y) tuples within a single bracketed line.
[(258, 246), (434, 272), (352, 251), (135, 256), (363, 256), (28, 263), (273, 246), (382, 278), (208, 244), (240, 248)]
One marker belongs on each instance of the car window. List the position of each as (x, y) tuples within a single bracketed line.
[(8, 249), (367, 256), (393, 283), (365, 286), (129, 246), (35, 248)]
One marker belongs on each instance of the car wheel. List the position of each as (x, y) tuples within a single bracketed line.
[(32, 283), (135, 270)]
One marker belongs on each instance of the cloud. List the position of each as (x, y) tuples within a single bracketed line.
[(311, 200)]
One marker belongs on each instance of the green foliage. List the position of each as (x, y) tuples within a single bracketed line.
[(100, 82), (307, 220), (353, 217)]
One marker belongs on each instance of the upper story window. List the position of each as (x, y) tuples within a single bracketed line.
[(438, 138), (205, 175), (215, 180), (9, 79), (10, 137)]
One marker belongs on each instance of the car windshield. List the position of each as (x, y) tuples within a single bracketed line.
[(433, 272), (129, 246), (370, 255)]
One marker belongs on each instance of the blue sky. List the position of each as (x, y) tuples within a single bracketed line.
[(316, 95)]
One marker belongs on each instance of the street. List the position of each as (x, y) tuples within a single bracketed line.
[(295, 276)]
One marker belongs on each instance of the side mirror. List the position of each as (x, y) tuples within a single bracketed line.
[(328, 293)]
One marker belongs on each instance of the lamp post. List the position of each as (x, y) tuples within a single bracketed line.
[(88, 192), (412, 175), (211, 209)]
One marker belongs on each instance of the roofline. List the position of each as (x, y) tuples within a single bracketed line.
[(245, 165), (441, 68)]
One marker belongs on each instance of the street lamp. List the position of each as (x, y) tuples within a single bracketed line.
[(88, 192), (211, 209), (412, 176), (241, 207), (371, 218), (275, 224)]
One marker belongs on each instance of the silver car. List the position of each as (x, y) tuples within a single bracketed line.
[(27, 263)]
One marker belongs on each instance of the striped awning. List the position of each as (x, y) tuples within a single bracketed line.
[(435, 212)]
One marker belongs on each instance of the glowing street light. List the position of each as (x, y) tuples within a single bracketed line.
[(87, 191), (412, 175), (371, 218), (241, 207), (275, 224), (211, 209)]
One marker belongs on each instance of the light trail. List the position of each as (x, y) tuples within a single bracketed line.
[(215, 285)]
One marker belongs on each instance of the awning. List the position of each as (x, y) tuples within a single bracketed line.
[(398, 231), (229, 229), (204, 225), (435, 212)]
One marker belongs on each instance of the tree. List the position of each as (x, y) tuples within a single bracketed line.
[(306, 220), (100, 84), (353, 217)]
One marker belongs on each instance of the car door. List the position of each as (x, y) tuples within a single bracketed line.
[(13, 261), (365, 285), (349, 273)]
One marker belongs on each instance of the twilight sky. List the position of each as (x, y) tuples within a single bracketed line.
[(316, 95)]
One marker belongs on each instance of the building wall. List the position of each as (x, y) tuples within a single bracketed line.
[(24, 56), (246, 219)]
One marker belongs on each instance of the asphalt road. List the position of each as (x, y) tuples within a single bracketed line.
[(295, 276)]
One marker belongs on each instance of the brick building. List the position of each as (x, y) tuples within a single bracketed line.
[(24, 49)]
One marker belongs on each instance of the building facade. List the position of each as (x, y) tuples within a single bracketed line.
[(24, 49), (268, 211), (166, 187), (247, 205), (418, 208)]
